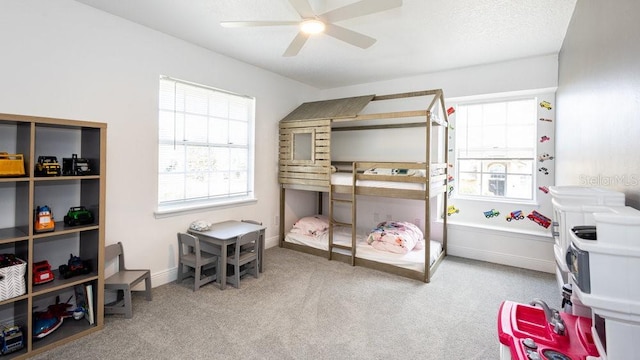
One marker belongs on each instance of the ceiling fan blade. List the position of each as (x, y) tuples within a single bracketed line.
[(296, 44), (235, 24), (303, 8), (349, 36), (360, 8)]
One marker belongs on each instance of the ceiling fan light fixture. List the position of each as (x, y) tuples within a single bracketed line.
[(312, 26)]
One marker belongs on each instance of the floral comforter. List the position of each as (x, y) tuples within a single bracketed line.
[(398, 237)]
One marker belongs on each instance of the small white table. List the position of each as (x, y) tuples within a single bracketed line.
[(226, 233)]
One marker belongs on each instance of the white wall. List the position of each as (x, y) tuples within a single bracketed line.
[(64, 59), (521, 243), (599, 99)]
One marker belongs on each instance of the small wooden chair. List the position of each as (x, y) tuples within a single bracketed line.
[(191, 255), (123, 281), (245, 253)]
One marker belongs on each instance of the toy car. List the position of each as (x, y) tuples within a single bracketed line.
[(44, 219), (11, 339), (544, 189), (544, 138), (75, 266), (545, 157), (75, 166), (517, 215), (491, 213), (539, 219), (452, 210), (42, 272), (47, 166), (78, 215), (545, 104), (544, 170)]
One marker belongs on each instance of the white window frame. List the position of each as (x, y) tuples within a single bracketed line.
[(534, 97), (181, 116)]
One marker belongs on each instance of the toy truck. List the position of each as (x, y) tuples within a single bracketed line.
[(78, 215), (11, 339), (42, 272), (539, 219), (517, 215), (47, 166), (491, 213), (43, 219)]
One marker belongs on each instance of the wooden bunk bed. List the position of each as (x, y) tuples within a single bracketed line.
[(305, 163)]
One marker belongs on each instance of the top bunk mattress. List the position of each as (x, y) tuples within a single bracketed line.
[(346, 179)]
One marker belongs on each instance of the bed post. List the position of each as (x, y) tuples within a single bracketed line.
[(281, 224), (446, 174), (427, 202)]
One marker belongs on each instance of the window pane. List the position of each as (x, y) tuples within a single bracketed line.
[(219, 133), (469, 183), (198, 159), (520, 186), (219, 183), (196, 128), (170, 187), (238, 132), (495, 148), (197, 185), (220, 159), (171, 159), (196, 100), (238, 159)]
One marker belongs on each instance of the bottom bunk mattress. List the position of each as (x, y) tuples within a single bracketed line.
[(413, 260)]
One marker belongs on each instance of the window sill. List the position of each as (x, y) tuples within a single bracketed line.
[(177, 210), (544, 235)]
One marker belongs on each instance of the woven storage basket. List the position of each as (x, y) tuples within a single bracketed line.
[(12, 282), (11, 164)]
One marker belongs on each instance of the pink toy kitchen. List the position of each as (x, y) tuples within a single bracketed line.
[(597, 255)]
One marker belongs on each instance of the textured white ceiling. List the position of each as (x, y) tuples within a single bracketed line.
[(420, 37)]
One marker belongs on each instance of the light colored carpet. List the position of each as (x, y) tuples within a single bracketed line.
[(306, 307)]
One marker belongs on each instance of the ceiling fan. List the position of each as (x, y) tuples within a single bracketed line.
[(311, 23)]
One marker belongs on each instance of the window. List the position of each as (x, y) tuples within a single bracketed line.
[(495, 149), (205, 147)]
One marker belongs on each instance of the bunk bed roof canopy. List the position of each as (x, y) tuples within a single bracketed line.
[(330, 109), (371, 109)]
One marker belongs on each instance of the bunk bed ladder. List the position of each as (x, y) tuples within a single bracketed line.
[(333, 199)]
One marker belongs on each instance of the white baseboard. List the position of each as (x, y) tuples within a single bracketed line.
[(502, 258)]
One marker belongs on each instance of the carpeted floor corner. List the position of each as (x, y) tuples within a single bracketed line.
[(306, 307)]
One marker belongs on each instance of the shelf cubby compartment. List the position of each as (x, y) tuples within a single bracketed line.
[(70, 327), (16, 314)]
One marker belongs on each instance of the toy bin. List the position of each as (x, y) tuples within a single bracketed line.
[(12, 281), (11, 164)]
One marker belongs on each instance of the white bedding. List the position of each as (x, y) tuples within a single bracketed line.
[(413, 260), (347, 179)]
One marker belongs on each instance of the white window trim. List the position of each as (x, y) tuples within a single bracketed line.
[(198, 206), (514, 95)]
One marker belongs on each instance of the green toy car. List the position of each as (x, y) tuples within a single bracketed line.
[(78, 215)]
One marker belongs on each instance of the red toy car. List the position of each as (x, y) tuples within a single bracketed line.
[(539, 219), (42, 272)]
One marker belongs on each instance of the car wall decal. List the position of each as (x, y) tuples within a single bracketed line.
[(491, 213), (546, 105)]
